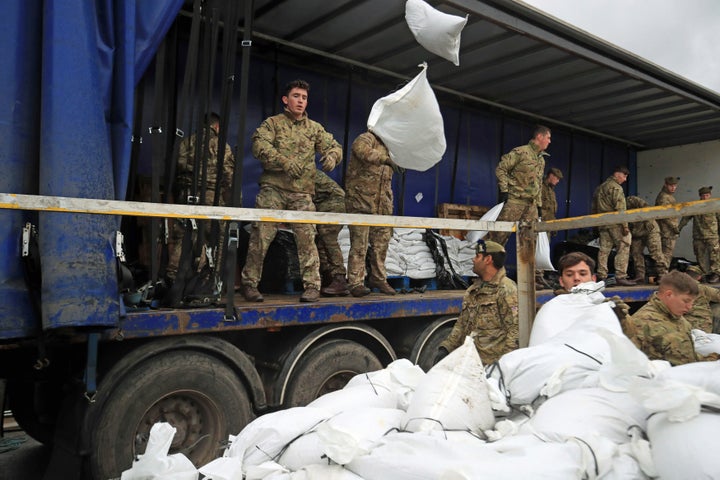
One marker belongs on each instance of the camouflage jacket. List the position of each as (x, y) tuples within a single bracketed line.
[(329, 197), (549, 202), (184, 176), (280, 139), (609, 197), (701, 316), (643, 229), (660, 334), (705, 226), (490, 313), (368, 181), (520, 174), (668, 226)]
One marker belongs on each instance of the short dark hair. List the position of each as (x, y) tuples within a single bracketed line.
[(573, 258), (498, 259), (540, 130), (212, 118), (621, 169), (679, 282), (301, 84)]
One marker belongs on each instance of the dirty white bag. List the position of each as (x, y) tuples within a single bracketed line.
[(223, 468), (401, 377), (705, 343), (453, 395), (490, 216), (438, 32), (156, 464), (361, 395), (410, 124), (542, 252)]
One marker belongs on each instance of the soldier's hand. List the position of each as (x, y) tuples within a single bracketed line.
[(503, 197), (625, 231), (374, 157), (294, 169), (441, 353), (395, 167), (329, 161)]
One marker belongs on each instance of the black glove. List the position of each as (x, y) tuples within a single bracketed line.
[(503, 197), (539, 212), (395, 167), (441, 353)]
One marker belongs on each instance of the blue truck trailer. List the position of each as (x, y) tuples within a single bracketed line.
[(90, 112)]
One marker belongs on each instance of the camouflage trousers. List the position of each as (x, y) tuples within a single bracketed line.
[(331, 257), (668, 247), (513, 211), (370, 243), (654, 245), (612, 237), (707, 254), (263, 233)]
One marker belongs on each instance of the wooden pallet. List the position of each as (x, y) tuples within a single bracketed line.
[(464, 212)]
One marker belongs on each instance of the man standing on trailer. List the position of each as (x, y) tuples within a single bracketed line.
[(669, 227), (286, 145), (610, 197), (520, 178), (706, 242), (549, 206), (645, 233), (329, 197), (489, 310)]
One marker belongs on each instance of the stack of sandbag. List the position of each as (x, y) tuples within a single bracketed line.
[(408, 255)]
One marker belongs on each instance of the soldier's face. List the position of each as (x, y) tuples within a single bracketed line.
[(543, 141), (704, 196), (671, 188), (677, 303), (296, 102), (575, 275), (480, 263), (552, 179)]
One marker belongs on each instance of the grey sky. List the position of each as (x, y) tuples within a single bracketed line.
[(682, 36)]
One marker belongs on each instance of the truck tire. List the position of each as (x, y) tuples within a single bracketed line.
[(35, 408), (426, 346), (196, 393), (328, 367)]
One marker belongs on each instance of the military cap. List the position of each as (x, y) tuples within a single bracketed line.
[(488, 246), (693, 270), (622, 169), (671, 180), (704, 190), (556, 172)]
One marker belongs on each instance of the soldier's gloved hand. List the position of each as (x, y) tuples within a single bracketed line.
[(441, 353), (621, 309), (374, 157), (293, 168), (329, 161), (625, 231), (676, 231), (395, 167), (503, 197)]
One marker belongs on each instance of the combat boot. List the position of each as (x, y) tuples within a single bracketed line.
[(359, 291), (311, 294), (252, 294), (383, 287), (337, 288), (624, 282)]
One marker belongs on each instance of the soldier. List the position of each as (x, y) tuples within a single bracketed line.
[(489, 309), (659, 328), (610, 197), (549, 200), (704, 316), (520, 178), (706, 243), (286, 145), (183, 189), (645, 234), (329, 197), (368, 189), (669, 229)]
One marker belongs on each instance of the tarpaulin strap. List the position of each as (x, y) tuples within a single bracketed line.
[(156, 131), (91, 367), (233, 238)]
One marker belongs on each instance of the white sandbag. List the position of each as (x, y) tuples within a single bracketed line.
[(266, 471), (438, 32), (302, 451), (156, 464), (585, 305), (355, 432), (705, 343), (453, 395), (490, 216), (401, 376), (688, 449), (266, 436), (323, 472), (225, 468), (542, 252), (410, 125), (704, 375), (355, 397)]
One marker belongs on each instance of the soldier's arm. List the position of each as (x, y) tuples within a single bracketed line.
[(364, 149), (711, 293), (461, 329), (510, 316), (327, 146), (185, 154), (504, 170), (684, 221), (263, 148)]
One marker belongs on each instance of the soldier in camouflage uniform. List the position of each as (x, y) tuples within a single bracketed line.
[(659, 328), (645, 234), (329, 197), (182, 190), (520, 178), (549, 200), (669, 227), (368, 190), (610, 197), (706, 242), (286, 145), (489, 309), (705, 313)]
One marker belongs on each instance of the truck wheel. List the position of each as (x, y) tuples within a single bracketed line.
[(427, 343), (196, 393), (35, 408), (328, 367)]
